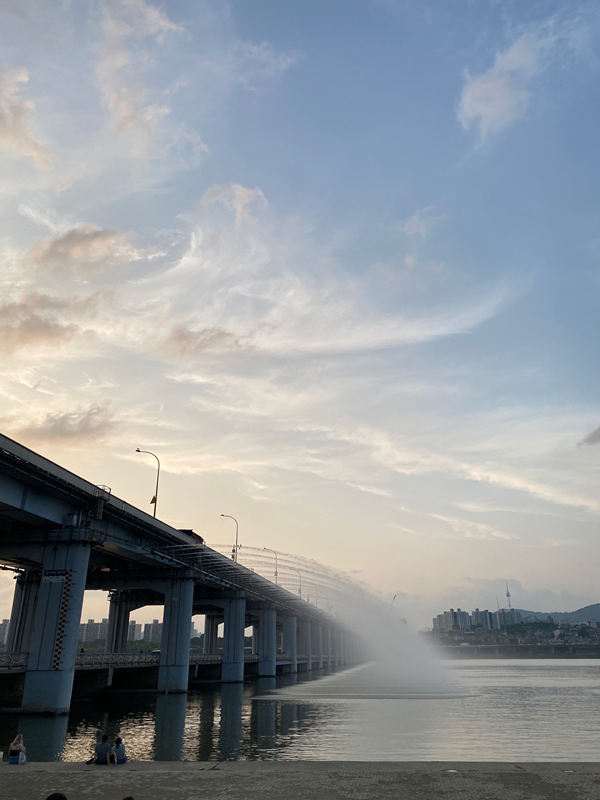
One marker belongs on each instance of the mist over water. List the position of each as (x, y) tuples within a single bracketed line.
[(377, 681)]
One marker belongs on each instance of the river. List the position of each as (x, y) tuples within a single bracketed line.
[(500, 710)]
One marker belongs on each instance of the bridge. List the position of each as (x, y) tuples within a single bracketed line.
[(63, 535)]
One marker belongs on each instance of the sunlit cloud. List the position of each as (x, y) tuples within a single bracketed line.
[(122, 21), (16, 130), (81, 426)]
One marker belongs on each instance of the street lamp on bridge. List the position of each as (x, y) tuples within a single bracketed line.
[(273, 551), (155, 498), (236, 548), (299, 579)]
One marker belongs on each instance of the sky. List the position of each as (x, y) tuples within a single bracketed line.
[(336, 263)]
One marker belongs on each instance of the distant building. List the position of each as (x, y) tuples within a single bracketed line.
[(507, 616), (461, 621), (4, 631), (134, 632), (90, 630), (153, 631)]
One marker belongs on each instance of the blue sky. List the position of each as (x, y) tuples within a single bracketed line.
[(336, 262)]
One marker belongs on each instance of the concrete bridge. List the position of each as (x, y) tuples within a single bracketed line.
[(65, 535)]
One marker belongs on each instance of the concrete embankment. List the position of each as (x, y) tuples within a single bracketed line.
[(304, 780)]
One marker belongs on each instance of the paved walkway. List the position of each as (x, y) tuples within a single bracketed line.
[(304, 780)]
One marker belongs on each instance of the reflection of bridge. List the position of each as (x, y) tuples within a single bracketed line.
[(64, 535)]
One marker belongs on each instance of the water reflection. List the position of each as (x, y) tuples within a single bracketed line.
[(170, 712), (513, 711), (230, 732), (44, 736)]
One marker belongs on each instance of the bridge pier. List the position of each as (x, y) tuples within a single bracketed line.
[(51, 664), (22, 615), (211, 629), (119, 608), (320, 645), (174, 668), (267, 642), (232, 668), (290, 641), (306, 629), (328, 645)]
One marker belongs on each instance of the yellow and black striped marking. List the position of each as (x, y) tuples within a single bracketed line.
[(60, 633)]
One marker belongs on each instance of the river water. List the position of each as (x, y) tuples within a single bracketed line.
[(525, 710)]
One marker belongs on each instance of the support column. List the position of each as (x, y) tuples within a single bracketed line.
[(267, 643), (51, 663), (120, 607), (328, 645), (22, 615), (211, 628), (232, 669), (320, 645), (174, 668), (307, 642), (290, 641)]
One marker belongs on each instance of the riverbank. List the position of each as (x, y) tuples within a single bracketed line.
[(304, 780), (518, 651)]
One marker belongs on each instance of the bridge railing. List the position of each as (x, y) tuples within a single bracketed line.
[(13, 661), (91, 660)]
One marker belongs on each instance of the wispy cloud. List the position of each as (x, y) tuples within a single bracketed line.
[(16, 132), (83, 250), (122, 21), (420, 223), (37, 319), (81, 426), (186, 344)]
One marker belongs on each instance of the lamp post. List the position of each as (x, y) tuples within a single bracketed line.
[(299, 578), (155, 498), (235, 551), (273, 551)]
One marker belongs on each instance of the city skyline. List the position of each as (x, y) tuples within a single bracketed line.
[(337, 266)]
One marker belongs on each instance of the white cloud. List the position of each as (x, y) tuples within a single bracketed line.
[(123, 21), (419, 224), (255, 63), (499, 97), (15, 124)]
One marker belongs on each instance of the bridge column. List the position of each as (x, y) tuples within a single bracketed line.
[(267, 643), (335, 635), (22, 615), (51, 663), (320, 645), (232, 668), (307, 642), (211, 628), (290, 641), (120, 607), (174, 668), (328, 645)]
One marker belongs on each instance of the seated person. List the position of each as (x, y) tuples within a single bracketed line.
[(16, 750), (103, 751), (119, 751)]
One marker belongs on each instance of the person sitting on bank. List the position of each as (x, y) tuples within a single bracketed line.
[(103, 752), (119, 751), (16, 750)]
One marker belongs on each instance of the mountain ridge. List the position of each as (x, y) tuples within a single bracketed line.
[(579, 615)]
